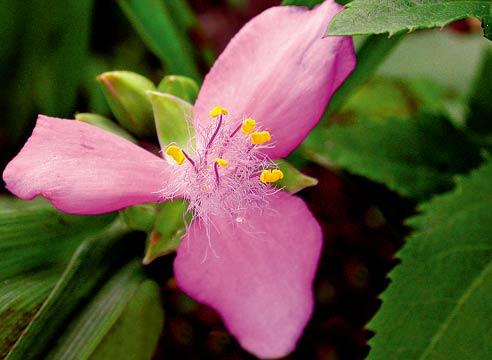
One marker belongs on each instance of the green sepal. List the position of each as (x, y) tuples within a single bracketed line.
[(294, 180), (125, 93), (104, 123), (172, 119), (180, 86), (169, 228), (140, 217)]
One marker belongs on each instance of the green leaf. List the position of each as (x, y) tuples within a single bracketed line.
[(169, 228), (105, 124), (124, 321), (142, 322), (438, 303), (172, 120), (414, 157), (393, 16), (125, 93), (180, 86), (35, 235), (86, 268), (20, 299), (36, 242), (294, 180), (154, 23), (182, 14)]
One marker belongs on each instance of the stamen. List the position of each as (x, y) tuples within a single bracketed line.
[(176, 154), (190, 160), (218, 111), (214, 134), (216, 171), (270, 176), (260, 137), (248, 126), (221, 162)]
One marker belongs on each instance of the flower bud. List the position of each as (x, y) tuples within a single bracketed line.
[(182, 87), (125, 93)]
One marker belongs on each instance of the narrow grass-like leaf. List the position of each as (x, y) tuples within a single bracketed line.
[(34, 235), (36, 242), (137, 331), (86, 268), (437, 305), (154, 24), (102, 317)]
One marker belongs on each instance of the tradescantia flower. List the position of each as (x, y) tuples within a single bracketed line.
[(251, 250)]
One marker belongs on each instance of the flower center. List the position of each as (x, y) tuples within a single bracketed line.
[(228, 172)]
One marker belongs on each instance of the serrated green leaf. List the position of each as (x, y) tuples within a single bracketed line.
[(172, 120), (169, 228), (393, 16), (414, 157), (153, 22), (438, 303), (104, 123), (98, 329)]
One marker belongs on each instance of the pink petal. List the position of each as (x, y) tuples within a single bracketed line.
[(257, 274), (281, 71), (82, 169)]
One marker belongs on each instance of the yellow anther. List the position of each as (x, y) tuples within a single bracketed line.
[(248, 125), (271, 176), (260, 137), (217, 111), (176, 153), (278, 174), (222, 162)]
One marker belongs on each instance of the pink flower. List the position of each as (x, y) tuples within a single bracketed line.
[(251, 251)]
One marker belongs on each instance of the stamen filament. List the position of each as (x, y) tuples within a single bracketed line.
[(216, 170), (190, 160), (215, 133)]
